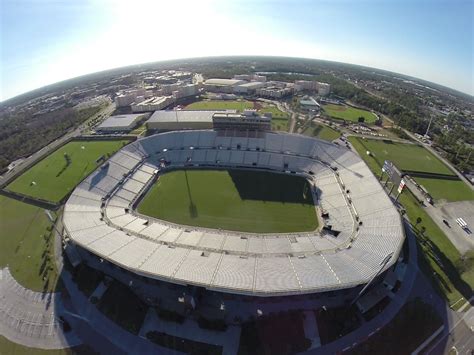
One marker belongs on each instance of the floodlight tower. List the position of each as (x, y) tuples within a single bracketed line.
[(429, 125), (382, 265)]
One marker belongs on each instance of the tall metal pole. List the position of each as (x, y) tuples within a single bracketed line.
[(382, 265), (52, 220)]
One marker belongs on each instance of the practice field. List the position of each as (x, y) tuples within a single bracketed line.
[(27, 244), (405, 156), (58, 174), (322, 132), (449, 190), (349, 113), (238, 105), (438, 257), (280, 119), (239, 200)]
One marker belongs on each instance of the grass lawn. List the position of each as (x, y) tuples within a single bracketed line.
[(238, 105), (450, 190), (55, 176), (322, 132), (279, 124), (27, 246), (405, 156), (349, 113), (9, 348), (438, 257), (237, 200), (280, 119), (276, 113)]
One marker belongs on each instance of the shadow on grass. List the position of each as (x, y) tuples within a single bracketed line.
[(430, 253), (266, 186)]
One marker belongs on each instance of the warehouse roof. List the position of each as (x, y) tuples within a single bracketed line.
[(253, 84), (224, 82), (120, 121)]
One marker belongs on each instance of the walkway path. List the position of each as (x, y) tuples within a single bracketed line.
[(30, 318)]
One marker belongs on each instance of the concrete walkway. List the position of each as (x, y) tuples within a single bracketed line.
[(31, 318)]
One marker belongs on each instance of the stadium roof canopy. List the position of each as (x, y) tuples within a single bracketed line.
[(99, 218)]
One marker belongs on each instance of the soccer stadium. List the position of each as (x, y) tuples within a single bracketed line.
[(352, 231)]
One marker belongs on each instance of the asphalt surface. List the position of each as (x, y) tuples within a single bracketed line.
[(31, 318)]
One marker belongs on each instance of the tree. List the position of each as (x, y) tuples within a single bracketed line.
[(361, 119), (418, 220), (422, 230)]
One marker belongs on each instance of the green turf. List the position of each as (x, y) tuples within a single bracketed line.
[(54, 178), (449, 190), (220, 105), (280, 119), (27, 246), (279, 124), (322, 132), (10, 348), (405, 156), (237, 200), (438, 257), (275, 111), (349, 113)]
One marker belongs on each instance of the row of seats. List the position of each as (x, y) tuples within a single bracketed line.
[(250, 263)]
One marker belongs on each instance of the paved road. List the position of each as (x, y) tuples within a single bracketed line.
[(31, 318), (459, 336)]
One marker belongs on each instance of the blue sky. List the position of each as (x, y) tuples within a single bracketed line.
[(45, 41)]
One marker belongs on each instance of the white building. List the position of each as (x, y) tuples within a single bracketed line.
[(251, 77), (305, 85), (323, 88), (275, 92), (222, 85), (153, 104), (185, 91), (126, 98), (249, 88)]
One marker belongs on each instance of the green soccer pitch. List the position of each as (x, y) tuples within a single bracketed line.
[(58, 174), (239, 200), (349, 113)]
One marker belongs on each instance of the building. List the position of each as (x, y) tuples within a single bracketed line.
[(301, 85), (248, 88), (323, 88), (222, 85), (126, 98), (119, 123), (180, 120), (309, 103), (186, 91), (153, 104), (251, 77), (274, 92), (249, 120)]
